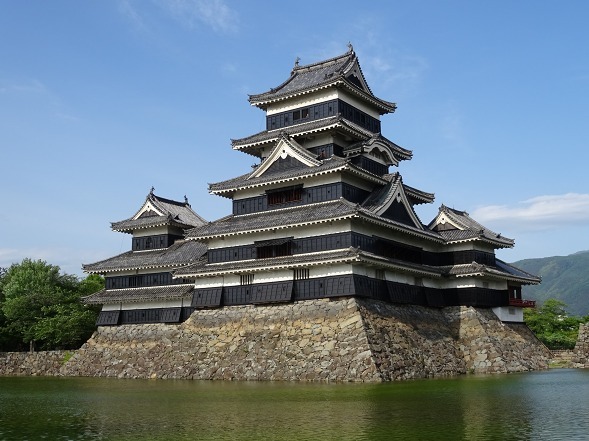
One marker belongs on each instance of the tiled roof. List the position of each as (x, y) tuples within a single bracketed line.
[(279, 218), (147, 222), (399, 152), (327, 165), (130, 295), (517, 272), (311, 77), (180, 253), (318, 125), (501, 270), (380, 196), (308, 259), (307, 214), (297, 260), (174, 213), (471, 229), (418, 196)]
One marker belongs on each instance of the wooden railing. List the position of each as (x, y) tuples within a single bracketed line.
[(522, 303)]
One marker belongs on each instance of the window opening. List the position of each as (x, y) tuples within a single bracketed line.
[(301, 273), (246, 279), (285, 196)]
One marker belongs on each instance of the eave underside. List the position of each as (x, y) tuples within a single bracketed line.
[(179, 254), (145, 294)]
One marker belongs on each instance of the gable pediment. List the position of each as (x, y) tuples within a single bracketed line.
[(442, 222), (397, 207), (392, 202), (381, 152), (148, 209), (355, 77), (286, 154)]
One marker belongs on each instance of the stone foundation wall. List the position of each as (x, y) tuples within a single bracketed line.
[(321, 340), (33, 363), (581, 352)]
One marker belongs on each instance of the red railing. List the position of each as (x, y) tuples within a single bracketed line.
[(522, 303)]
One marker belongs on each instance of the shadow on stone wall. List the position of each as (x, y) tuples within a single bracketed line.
[(346, 339)]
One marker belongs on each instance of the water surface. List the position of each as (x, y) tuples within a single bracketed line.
[(548, 405)]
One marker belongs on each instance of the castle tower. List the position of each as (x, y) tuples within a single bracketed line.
[(139, 287), (322, 215)]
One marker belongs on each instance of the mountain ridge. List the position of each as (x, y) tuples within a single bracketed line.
[(565, 278)]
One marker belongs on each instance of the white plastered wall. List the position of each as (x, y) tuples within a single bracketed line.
[(320, 97)]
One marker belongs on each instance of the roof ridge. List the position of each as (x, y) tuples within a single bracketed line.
[(350, 54)]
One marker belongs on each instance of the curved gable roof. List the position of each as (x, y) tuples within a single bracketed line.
[(458, 226), (343, 71), (158, 211)]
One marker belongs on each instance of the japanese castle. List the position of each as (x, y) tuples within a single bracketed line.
[(322, 214)]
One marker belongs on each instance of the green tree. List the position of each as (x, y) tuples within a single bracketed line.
[(6, 337), (552, 325), (42, 306)]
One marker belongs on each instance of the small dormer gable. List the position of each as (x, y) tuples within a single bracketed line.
[(158, 212), (287, 154), (392, 202), (148, 210), (458, 226), (355, 76), (443, 222)]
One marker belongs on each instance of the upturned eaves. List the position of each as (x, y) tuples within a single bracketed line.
[(180, 253), (172, 213), (470, 229), (344, 255), (312, 77), (301, 215), (501, 270), (358, 147), (251, 144), (330, 165), (133, 295)]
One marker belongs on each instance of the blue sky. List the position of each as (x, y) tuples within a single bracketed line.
[(100, 101)]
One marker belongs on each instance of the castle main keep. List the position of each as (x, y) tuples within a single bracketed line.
[(323, 219)]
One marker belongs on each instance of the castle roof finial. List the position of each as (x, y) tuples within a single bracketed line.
[(350, 47), (297, 61)]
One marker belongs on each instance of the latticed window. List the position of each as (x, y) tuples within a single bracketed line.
[(246, 279), (284, 196), (301, 273), (274, 251), (273, 248)]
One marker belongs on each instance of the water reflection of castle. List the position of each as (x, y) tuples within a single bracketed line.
[(320, 216)]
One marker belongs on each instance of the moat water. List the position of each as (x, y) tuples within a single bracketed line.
[(548, 405)]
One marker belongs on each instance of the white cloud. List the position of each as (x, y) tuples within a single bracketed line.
[(29, 87), (127, 9), (189, 13), (213, 13), (540, 212)]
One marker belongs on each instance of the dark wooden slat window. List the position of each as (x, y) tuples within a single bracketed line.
[(143, 280), (299, 196), (285, 196), (108, 318), (265, 252), (154, 242), (323, 110)]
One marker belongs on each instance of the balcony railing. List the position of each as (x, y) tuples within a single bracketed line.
[(522, 303)]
